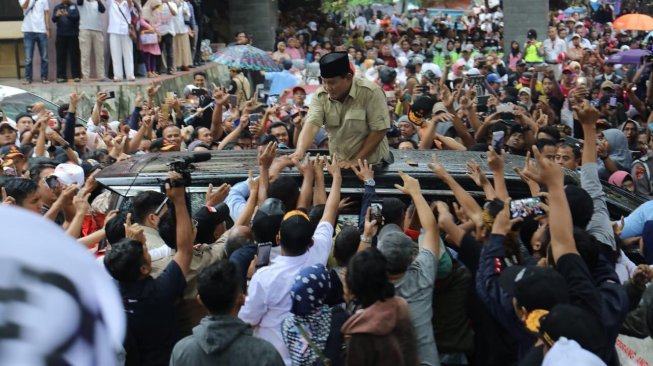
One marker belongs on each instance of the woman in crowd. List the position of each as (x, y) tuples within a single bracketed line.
[(149, 23), (120, 43)]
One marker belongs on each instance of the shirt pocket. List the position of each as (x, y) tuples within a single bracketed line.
[(356, 120), (332, 119)]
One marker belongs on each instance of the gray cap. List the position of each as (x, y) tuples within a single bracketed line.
[(397, 248)]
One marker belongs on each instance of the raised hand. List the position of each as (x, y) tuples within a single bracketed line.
[(411, 185), (363, 171), (134, 231), (267, 156), (333, 167), (215, 197), (436, 167), (549, 173)]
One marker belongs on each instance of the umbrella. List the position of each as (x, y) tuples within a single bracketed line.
[(246, 57), (575, 9), (634, 22), (633, 57)]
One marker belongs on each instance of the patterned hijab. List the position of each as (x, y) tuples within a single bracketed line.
[(308, 310)]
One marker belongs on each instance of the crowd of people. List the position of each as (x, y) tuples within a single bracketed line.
[(162, 36), (264, 274)]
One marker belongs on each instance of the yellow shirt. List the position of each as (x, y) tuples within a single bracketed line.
[(348, 124), (532, 54)]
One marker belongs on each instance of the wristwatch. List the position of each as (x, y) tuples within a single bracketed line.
[(366, 239), (370, 182)]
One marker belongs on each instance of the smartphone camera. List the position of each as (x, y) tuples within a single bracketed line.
[(263, 254), (526, 207), (497, 140), (377, 211), (233, 100)]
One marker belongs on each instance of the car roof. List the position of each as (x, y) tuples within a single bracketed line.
[(148, 171)]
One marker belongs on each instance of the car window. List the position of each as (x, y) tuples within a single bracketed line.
[(13, 105)]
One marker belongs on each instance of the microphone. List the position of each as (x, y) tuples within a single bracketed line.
[(197, 157)]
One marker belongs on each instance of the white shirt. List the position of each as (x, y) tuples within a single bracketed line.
[(268, 300), (36, 17), (553, 48), (89, 16), (117, 23), (178, 21), (167, 26)]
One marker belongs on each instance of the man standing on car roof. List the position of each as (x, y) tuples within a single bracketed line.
[(353, 112)]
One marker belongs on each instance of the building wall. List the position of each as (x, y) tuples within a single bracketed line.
[(256, 17), (522, 15)]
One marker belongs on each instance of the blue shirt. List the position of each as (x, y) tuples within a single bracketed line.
[(280, 81), (634, 223)]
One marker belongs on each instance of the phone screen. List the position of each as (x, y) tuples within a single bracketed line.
[(253, 118), (233, 100), (263, 254), (497, 140), (377, 209), (526, 207), (111, 94)]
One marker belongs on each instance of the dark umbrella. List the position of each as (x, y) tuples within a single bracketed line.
[(633, 57)]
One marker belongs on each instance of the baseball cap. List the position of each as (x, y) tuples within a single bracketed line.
[(320, 137), (312, 26), (607, 85), (493, 78), (11, 152), (575, 36), (298, 88), (571, 322), (420, 109), (439, 107), (535, 287), (10, 124), (526, 90), (209, 217), (568, 69), (69, 173), (397, 248), (473, 72), (468, 48), (368, 39)]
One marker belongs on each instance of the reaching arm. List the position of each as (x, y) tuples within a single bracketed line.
[(184, 227), (495, 162), (246, 214), (319, 191), (306, 192), (426, 218), (370, 144), (331, 207)]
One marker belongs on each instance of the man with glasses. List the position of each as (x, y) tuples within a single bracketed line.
[(353, 112)]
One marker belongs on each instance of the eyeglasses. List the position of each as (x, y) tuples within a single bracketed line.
[(158, 209)]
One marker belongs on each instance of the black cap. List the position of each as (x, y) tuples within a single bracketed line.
[(573, 322), (210, 217), (535, 287), (335, 64), (90, 165), (420, 109)]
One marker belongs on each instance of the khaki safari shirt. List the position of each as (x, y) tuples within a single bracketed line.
[(349, 123)]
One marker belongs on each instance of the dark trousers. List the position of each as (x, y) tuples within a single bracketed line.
[(68, 46), (166, 48)]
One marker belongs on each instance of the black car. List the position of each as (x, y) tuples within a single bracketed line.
[(148, 172)]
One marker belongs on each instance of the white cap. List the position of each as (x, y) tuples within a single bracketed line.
[(368, 39), (312, 26), (69, 173), (473, 71), (526, 90), (11, 124), (468, 48)]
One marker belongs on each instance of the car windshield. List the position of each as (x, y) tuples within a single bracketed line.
[(14, 104)]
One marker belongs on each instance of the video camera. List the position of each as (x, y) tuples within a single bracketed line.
[(184, 166)]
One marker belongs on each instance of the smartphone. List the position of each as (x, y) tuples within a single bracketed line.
[(111, 94), (165, 110), (526, 207), (505, 107), (254, 118), (233, 100), (52, 181), (613, 102), (497, 140), (377, 209), (198, 92), (263, 254), (52, 123), (481, 103), (573, 142)]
